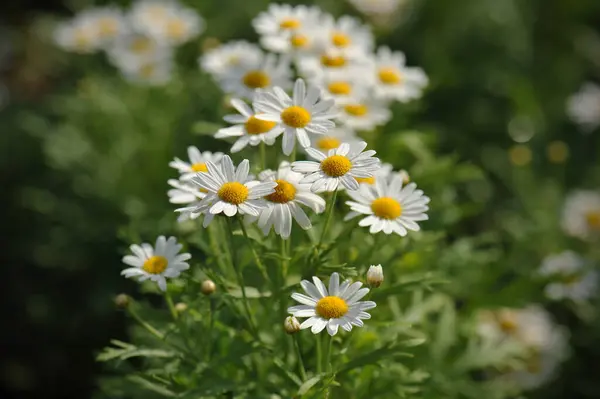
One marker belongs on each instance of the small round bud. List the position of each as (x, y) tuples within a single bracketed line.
[(180, 307), (122, 301), (405, 176), (208, 287), (375, 276), (291, 325)]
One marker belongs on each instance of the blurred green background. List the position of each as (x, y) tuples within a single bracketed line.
[(84, 159)]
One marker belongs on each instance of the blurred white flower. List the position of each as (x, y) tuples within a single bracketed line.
[(133, 50), (389, 206), (581, 214), (282, 19), (363, 114), (333, 139), (152, 72), (377, 7), (570, 277), (156, 263), (340, 306), (283, 205), (583, 107), (393, 80), (347, 34), (233, 55), (385, 172), (91, 30)]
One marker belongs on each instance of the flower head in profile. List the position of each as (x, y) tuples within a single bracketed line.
[(156, 263), (569, 277), (229, 191), (341, 166), (196, 163), (338, 306), (581, 215), (393, 80), (301, 115), (390, 207), (248, 128), (284, 205)]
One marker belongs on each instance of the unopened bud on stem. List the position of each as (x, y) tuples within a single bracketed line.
[(375, 276), (291, 325), (208, 287), (122, 301)]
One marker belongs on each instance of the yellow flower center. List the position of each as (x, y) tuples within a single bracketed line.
[(340, 39), (335, 61), (176, 29), (356, 109), (508, 322), (257, 126), (328, 143), (386, 208), (199, 167), (233, 192), (108, 27), (81, 39), (336, 165), (366, 180), (256, 79), (299, 41), (389, 76), (593, 219), (295, 116), (155, 264), (289, 23), (284, 192), (339, 88), (141, 45), (331, 307), (147, 71)]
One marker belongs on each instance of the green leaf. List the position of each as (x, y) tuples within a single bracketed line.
[(308, 384), (130, 351), (409, 283), (151, 386), (251, 293)]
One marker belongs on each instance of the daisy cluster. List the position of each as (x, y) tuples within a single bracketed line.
[(355, 81), (544, 342), (569, 277), (140, 42)]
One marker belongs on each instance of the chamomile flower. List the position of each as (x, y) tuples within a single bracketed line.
[(344, 88), (77, 36), (334, 62), (393, 80), (333, 139), (338, 306), (154, 72), (348, 34), (569, 277), (266, 72), (283, 205), (248, 128), (281, 19), (166, 21), (584, 106), (303, 114), (384, 173), (237, 54), (581, 214), (364, 115), (156, 263), (135, 49), (339, 167), (299, 42), (91, 30), (197, 162), (185, 193), (390, 207), (377, 7), (229, 190)]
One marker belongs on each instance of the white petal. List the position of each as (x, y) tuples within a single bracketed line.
[(304, 299), (318, 326)]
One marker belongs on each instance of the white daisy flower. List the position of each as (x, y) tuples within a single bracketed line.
[(284, 204), (343, 88), (77, 36), (340, 166), (333, 139), (134, 49), (229, 191), (158, 263), (246, 78), (298, 42), (187, 194), (166, 21), (303, 114), (197, 162), (238, 54), (248, 128), (341, 305), (393, 80), (570, 277), (581, 215), (364, 115), (385, 172), (584, 106), (390, 207), (152, 72), (283, 18), (336, 63), (348, 34)]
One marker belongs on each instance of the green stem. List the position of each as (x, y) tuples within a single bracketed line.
[(263, 155), (145, 324), (299, 356), (327, 365), (172, 309), (211, 324), (214, 246), (327, 220), (319, 354), (293, 154), (261, 266), (240, 277)]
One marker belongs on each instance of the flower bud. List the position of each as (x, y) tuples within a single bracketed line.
[(291, 325), (405, 176), (375, 276), (180, 307), (122, 301), (208, 287)]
